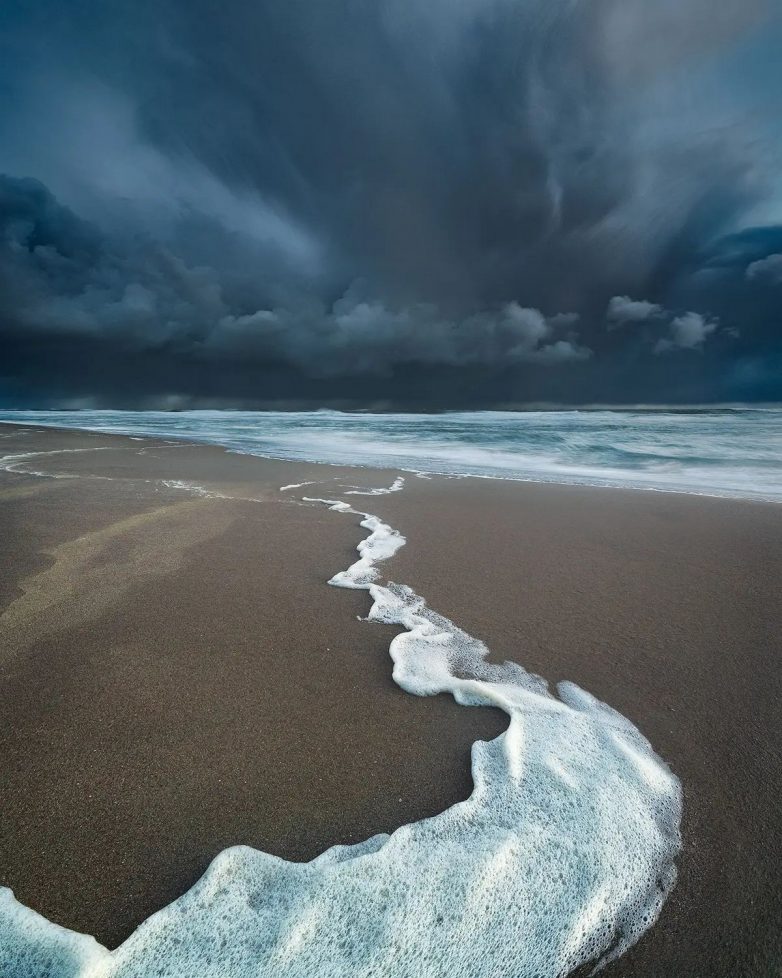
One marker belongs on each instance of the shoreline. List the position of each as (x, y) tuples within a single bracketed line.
[(418, 473), (490, 559)]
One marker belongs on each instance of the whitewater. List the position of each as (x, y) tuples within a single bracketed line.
[(563, 855), (734, 452)]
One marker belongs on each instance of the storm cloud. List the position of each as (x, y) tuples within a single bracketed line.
[(430, 204)]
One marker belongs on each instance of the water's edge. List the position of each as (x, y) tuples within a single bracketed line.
[(734, 455)]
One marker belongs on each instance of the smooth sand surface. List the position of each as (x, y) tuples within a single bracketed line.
[(175, 676)]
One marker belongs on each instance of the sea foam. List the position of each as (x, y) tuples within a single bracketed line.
[(563, 854), (20, 464), (296, 485), (396, 486)]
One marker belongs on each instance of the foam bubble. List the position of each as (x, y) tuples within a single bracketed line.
[(563, 855)]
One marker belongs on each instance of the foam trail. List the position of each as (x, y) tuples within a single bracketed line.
[(17, 463), (563, 855), (382, 543), (192, 487), (396, 485), (296, 485)]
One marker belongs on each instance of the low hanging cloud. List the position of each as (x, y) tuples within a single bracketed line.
[(684, 331), (687, 332), (359, 335), (622, 309)]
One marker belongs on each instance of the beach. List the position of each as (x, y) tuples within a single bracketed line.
[(172, 658)]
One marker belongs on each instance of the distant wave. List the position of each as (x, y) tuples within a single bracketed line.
[(726, 452)]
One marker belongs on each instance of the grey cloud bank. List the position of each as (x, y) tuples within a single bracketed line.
[(447, 204)]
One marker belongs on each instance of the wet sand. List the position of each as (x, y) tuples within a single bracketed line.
[(176, 677)]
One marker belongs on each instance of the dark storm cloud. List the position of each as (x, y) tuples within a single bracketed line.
[(313, 201), (60, 275)]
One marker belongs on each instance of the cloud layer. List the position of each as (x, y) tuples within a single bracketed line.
[(309, 202)]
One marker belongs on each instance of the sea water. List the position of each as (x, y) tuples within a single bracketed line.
[(727, 452)]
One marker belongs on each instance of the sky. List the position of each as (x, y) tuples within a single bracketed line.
[(390, 203)]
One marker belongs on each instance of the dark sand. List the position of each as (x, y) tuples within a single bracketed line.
[(175, 677)]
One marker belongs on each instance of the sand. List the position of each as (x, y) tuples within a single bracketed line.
[(176, 677)]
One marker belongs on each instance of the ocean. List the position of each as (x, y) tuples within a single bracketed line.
[(725, 452)]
